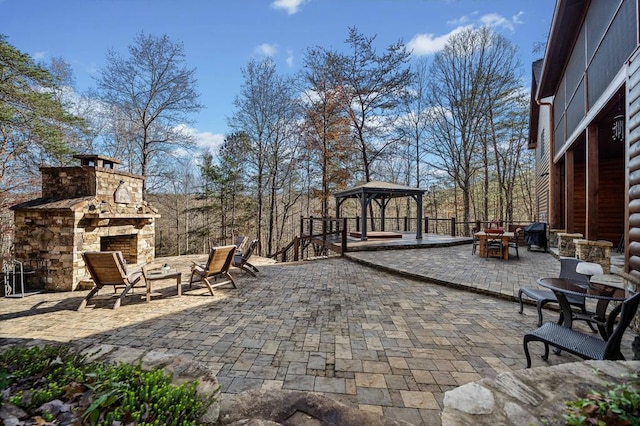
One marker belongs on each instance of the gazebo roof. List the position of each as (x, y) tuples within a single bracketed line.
[(384, 189)]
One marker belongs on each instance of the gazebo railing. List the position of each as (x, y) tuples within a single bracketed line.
[(318, 236)]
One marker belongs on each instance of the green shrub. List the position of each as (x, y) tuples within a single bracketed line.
[(101, 394), (618, 405)]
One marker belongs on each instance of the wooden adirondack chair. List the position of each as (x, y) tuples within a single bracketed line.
[(109, 268), (217, 267)]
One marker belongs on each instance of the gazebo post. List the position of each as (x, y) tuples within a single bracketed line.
[(383, 206), (419, 218), (363, 219)]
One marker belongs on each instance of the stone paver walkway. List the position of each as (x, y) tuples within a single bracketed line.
[(456, 266), (383, 342)]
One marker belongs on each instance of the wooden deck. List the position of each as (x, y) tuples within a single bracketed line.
[(406, 241)]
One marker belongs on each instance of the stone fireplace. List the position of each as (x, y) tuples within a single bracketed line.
[(91, 207)]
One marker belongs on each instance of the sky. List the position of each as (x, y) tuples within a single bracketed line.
[(221, 36)]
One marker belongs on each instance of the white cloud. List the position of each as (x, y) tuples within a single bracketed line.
[(426, 44), (290, 58), (463, 20), (205, 141), (266, 49), (291, 6), (495, 20), (499, 21), (516, 18), (39, 55), (208, 140)]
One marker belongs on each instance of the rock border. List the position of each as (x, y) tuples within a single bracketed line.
[(527, 396)]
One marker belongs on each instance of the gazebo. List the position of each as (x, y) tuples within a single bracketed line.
[(381, 193)]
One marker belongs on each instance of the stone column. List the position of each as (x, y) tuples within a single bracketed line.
[(595, 252), (553, 236), (566, 247)]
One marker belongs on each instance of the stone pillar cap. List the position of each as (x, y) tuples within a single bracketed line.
[(602, 243)]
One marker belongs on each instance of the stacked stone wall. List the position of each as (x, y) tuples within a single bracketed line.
[(47, 237), (566, 246), (595, 252), (553, 237), (74, 182), (68, 182), (108, 182)]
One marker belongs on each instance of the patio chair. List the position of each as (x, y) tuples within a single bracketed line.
[(544, 296), (241, 259), (514, 243), (109, 268), (475, 240), (217, 267), (241, 242), (584, 345), (493, 242)]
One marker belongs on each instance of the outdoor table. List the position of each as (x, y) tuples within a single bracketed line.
[(159, 274), (505, 237), (603, 293)]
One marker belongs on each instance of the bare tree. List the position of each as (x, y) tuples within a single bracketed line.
[(470, 77), (373, 84), (414, 120), (155, 91), (265, 112), (325, 128), (509, 147)]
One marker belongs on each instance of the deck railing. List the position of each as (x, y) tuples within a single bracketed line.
[(319, 235)]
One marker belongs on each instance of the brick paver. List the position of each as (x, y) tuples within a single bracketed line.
[(384, 342), (457, 266)]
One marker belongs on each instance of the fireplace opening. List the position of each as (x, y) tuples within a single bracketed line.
[(127, 244)]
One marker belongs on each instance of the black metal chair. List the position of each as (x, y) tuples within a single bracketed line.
[(475, 241), (493, 243), (544, 296), (514, 243), (585, 345)]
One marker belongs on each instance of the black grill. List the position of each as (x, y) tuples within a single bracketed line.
[(535, 236)]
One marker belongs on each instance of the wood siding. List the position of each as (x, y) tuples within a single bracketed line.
[(632, 247), (542, 163), (579, 194), (611, 200)]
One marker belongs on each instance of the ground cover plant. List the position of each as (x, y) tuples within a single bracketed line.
[(617, 405), (54, 384), (614, 404)]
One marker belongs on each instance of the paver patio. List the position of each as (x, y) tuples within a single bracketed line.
[(383, 342)]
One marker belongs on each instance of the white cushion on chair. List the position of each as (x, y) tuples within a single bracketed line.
[(589, 268)]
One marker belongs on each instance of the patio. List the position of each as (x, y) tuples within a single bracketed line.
[(385, 342)]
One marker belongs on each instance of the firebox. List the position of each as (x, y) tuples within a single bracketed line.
[(90, 207), (127, 244)]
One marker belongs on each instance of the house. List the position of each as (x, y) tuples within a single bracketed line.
[(584, 125)]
